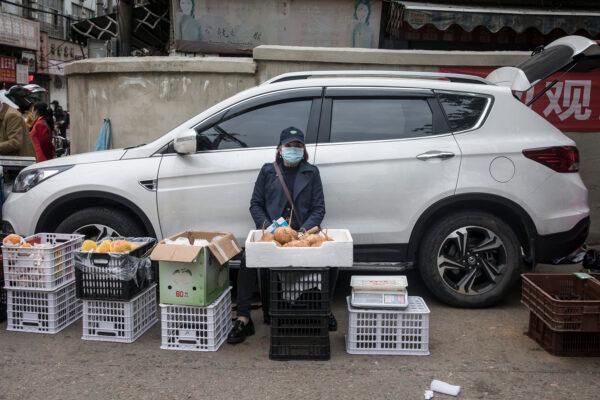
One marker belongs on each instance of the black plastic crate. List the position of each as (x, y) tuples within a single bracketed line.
[(3, 298), (299, 291), (95, 284), (299, 338)]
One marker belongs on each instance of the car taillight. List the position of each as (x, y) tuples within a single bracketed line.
[(560, 158)]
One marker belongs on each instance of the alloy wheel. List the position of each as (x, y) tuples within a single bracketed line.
[(97, 232), (472, 260)]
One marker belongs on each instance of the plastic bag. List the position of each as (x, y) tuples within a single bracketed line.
[(121, 266)]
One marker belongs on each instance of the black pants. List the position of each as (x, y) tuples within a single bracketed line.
[(246, 284)]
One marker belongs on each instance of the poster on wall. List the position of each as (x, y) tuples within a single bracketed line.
[(237, 26), (8, 69), (572, 105), (28, 58), (22, 74)]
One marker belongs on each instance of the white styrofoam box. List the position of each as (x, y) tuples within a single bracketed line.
[(119, 321), (47, 266), (195, 328), (42, 312), (336, 253), (391, 332)]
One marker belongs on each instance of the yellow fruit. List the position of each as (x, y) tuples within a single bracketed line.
[(88, 245), (104, 247), (12, 240), (26, 245), (120, 246)]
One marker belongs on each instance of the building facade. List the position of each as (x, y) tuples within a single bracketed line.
[(36, 42)]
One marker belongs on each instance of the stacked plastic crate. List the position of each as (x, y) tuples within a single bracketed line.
[(118, 293), (564, 316), (383, 319), (39, 278), (299, 309), (194, 289)]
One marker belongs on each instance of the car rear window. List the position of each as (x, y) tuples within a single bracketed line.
[(463, 111), (380, 119)]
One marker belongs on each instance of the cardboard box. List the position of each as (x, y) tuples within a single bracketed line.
[(194, 275), (337, 253)]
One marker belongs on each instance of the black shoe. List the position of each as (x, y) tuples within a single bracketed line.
[(332, 324), (239, 331)]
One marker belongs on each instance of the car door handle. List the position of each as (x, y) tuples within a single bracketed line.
[(443, 155)]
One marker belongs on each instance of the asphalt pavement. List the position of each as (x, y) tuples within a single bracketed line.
[(484, 351)]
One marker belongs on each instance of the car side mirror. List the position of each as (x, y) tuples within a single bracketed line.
[(185, 143)]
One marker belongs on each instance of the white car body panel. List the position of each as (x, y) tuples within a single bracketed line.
[(211, 190), (361, 179), (121, 178)]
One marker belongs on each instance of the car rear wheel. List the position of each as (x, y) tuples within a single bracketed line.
[(101, 222), (470, 259)]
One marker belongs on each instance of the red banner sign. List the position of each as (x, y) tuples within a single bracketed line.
[(8, 69), (572, 105)]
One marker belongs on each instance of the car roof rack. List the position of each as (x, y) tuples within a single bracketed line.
[(292, 76)]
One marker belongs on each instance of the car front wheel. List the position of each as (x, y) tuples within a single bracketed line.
[(101, 222), (470, 259)]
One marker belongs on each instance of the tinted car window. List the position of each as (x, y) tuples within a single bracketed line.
[(256, 128), (463, 111), (380, 119)]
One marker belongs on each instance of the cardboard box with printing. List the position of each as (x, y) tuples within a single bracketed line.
[(193, 266)]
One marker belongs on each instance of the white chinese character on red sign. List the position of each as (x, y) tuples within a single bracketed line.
[(575, 100)]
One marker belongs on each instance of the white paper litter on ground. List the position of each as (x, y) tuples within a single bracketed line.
[(444, 388), (428, 395)]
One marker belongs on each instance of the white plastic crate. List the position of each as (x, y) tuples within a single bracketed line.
[(196, 328), (42, 312), (119, 321), (45, 267), (336, 253), (391, 332)]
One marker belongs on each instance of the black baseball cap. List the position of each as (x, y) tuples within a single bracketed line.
[(291, 134)]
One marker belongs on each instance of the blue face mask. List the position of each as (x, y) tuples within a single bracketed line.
[(292, 155)]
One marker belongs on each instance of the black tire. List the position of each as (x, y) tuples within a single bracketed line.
[(446, 288), (115, 219)]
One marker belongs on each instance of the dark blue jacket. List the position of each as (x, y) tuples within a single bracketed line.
[(269, 201)]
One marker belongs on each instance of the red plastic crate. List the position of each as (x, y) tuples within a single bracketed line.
[(564, 301), (565, 344)]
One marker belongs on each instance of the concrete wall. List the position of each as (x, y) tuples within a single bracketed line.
[(146, 97), (240, 25)]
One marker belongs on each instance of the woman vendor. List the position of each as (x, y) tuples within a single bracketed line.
[(270, 202)]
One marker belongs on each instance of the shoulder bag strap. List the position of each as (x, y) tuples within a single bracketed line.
[(285, 188)]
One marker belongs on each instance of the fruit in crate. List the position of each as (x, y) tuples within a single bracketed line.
[(120, 246), (88, 245), (12, 240), (26, 246), (285, 234), (104, 247)]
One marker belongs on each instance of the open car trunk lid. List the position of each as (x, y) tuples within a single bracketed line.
[(569, 52)]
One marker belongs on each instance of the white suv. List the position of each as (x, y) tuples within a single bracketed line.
[(448, 171)]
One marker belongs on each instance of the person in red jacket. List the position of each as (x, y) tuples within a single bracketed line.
[(41, 132)]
